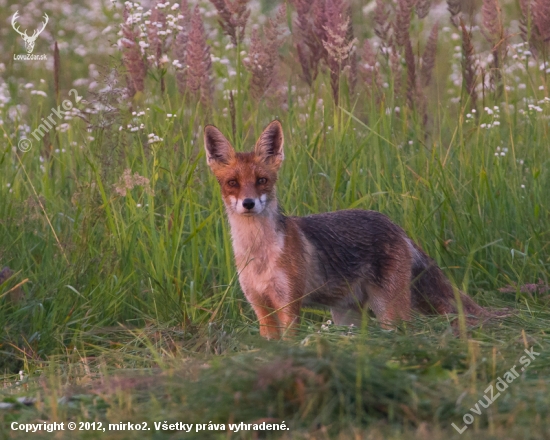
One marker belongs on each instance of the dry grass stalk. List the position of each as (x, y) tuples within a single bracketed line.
[(338, 41), (198, 61), (309, 25), (353, 58), (127, 182), (411, 73), (180, 47), (469, 71), (382, 23), (157, 21), (309, 64), (491, 14), (494, 32), (130, 87), (132, 57), (525, 20), (369, 67), (233, 16), (423, 8), (454, 7), (396, 70), (528, 28), (353, 72), (428, 57), (263, 55), (233, 114), (56, 68), (156, 42), (319, 19), (403, 21), (541, 18)]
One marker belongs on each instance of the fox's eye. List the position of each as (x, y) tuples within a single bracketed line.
[(232, 183), (262, 181)]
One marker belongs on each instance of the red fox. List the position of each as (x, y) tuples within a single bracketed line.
[(344, 260)]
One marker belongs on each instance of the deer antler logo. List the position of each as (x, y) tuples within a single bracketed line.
[(29, 41)]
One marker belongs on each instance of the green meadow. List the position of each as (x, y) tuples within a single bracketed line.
[(119, 298)]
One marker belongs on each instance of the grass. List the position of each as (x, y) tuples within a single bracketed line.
[(129, 309)]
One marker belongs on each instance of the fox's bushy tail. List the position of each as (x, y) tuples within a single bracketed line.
[(432, 292)]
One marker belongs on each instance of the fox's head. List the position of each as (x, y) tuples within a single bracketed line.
[(247, 180)]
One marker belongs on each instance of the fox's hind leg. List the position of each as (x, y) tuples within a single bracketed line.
[(348, 312), (390, 302)]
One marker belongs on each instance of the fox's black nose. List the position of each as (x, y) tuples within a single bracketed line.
[(248, 203)]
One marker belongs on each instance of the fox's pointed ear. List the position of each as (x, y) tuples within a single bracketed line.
[(218, 149), (270, 144)]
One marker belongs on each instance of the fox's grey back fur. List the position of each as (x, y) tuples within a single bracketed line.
[(353, 244), (358, 249)]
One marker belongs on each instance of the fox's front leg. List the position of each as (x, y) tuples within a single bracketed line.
[(267, 318), (288, 312)]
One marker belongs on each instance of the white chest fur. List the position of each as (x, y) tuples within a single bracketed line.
[(258, 248)]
